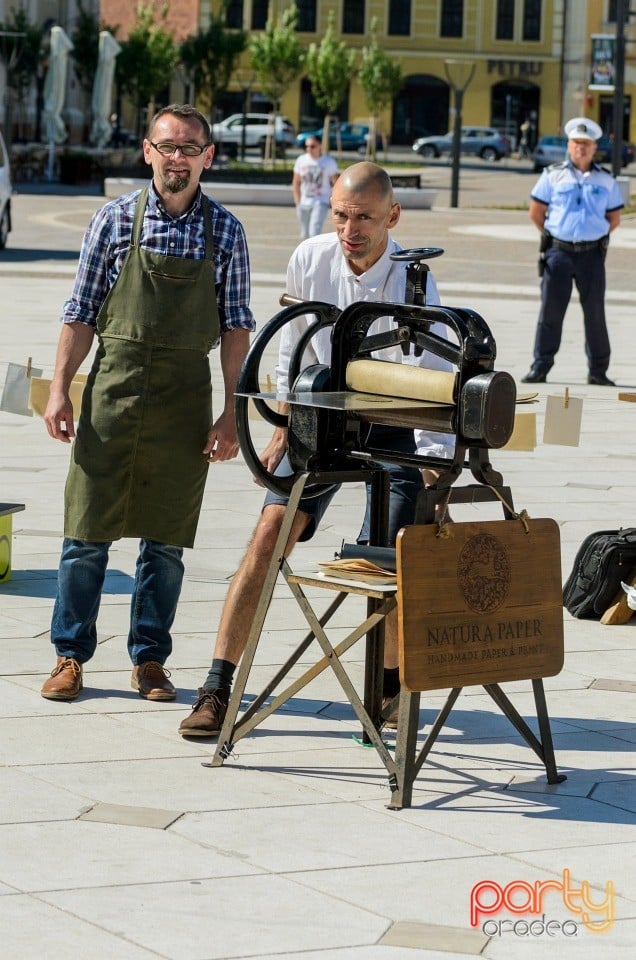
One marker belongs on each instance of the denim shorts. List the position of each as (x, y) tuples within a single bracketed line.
[(405, 484)]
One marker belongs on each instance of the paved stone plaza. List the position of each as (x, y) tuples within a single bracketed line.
[(117, 844)]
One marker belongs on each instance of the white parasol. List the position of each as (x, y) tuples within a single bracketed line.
[(55, 91), (103, 89), (55, 85)]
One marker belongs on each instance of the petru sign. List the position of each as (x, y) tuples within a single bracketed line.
[(520, 897)]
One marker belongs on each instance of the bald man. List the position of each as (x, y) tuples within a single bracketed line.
[(352, 264)]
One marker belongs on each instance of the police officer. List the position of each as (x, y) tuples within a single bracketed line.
[(575, 204)]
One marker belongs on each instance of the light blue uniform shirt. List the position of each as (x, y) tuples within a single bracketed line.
[(577, 202)]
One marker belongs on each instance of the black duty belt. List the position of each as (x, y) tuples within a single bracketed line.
[(579, 247)]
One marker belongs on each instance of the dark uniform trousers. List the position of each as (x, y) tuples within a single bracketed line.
[(586, 268)]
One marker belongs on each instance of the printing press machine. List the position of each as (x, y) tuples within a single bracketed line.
[(331, 410)]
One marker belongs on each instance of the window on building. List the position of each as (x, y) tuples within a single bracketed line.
[(505, 28), (353, 16), (234, 14), (306, 16), (452, 24), (259, 14), (399, 18), (532, 20)]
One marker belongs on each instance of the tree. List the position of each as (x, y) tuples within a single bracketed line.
[(380, 79), (209, 58), (85, 39), (85, 52), (277, 59), (22, 51), (147, 60), (330, 68)]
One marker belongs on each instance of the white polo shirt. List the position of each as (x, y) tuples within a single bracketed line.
[(318, 270)]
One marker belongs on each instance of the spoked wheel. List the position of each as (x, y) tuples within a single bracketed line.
[(249, 384)]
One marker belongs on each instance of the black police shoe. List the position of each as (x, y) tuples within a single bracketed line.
[(535, 375), (600, 380)]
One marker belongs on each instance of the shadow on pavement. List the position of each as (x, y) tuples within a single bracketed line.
[(22, 255), (43, 583)]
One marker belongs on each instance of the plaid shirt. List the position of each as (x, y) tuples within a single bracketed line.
[(107, 239)]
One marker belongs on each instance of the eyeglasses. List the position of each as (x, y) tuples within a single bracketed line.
[(167, 149)]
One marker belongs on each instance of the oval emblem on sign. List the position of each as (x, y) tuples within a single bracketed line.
[(483, 573)]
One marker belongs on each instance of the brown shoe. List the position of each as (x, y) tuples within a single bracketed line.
[(390, 717), (207, 715), (151, 680), (65, 681)]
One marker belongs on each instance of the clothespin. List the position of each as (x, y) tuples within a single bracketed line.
[(28, 369), (566, 398)]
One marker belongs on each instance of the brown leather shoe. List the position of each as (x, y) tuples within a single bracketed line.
[(65, 681), (207, 715), (151, 680), (390, 717)]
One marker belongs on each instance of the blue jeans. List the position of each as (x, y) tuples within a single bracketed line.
[(312, 218), (80, 580), (405, 483)]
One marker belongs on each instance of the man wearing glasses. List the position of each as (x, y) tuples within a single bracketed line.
[(163, 277), (313, 177)]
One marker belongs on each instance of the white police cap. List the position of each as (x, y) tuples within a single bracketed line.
[(582, 128)]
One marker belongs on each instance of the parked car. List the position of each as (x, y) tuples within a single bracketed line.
[(229, 132), (5, 195), (552, 148), (353, 136), (605, 151), (484, 142)]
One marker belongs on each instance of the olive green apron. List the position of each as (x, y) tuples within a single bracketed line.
[(137, 467)]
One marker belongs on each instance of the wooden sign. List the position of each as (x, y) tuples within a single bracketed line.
[(482, 605)]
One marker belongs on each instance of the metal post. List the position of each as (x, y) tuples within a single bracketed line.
[(619, 87), (374, 657), (457, 133), (459, 74), (246, 91)]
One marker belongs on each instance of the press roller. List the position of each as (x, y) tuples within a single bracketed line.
[(332, 408)]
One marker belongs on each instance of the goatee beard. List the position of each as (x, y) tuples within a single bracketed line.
[(175, 182)]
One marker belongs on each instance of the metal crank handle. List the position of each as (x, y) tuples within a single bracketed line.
[(286, 300)]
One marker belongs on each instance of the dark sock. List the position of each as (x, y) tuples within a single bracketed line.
[(391, 682), (220, 675)]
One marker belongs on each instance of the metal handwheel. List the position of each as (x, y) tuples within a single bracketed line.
[(248, 387)]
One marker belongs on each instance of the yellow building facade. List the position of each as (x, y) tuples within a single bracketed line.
[(529, 59)]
